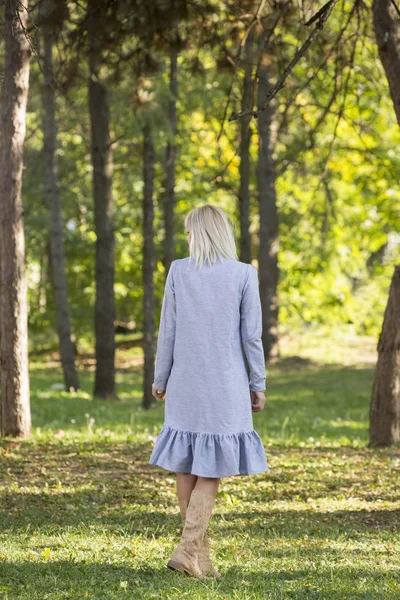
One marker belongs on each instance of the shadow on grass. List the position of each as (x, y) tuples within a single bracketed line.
[(104, 580), (134, 510), (103, 483)]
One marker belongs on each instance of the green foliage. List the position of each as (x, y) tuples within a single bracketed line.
[(339, 200), (337, 166)]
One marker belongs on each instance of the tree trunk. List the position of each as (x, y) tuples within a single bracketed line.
[(385, 401), (384, 428), (42, 291), (14, 371), (244, 150), (269, 232), (169, 197), (148, 266), (387, 33), (59, 280), (104, 386)]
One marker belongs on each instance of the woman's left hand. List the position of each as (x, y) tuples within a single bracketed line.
[(159, 394)]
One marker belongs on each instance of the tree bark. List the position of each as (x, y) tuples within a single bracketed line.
[(148, 265), (384, 428), (387, 33), (59, 279), (269, 226), (14, 371), (385, 402), (169, 197), (42, 289), (244, 151), (102, 160)]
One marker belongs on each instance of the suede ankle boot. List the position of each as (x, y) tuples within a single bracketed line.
[(204, 557), (186, 555)]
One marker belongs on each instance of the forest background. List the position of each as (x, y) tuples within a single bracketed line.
[(335, 153)]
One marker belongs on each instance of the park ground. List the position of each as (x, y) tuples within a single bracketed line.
[(83, 514)]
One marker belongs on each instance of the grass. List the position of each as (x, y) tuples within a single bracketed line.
[(83, 514)]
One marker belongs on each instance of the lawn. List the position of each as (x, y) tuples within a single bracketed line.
[(83, 514)]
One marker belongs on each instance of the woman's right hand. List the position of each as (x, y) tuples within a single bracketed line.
[(159, 394), (258, 400)]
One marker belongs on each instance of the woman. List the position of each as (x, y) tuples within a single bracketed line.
[(210, 326)]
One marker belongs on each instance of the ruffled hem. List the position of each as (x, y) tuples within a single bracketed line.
[(209, 454)]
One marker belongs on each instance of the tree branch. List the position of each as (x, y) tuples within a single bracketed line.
[(395, 7), (255, 19), (321, 17)]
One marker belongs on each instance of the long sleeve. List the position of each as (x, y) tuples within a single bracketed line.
[(251, 330), (166, 334)]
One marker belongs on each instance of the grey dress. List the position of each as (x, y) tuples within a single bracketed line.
[(209, 357)]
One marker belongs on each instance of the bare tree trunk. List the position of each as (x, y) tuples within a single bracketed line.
[(269, 226), (169, 197), (387, 33), (14, 368), (245, 139), (384, 428), (102, 160), (385, 401), (42, 291), (148, 265), (59, 280)]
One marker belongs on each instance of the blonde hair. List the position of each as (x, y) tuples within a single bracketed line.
[(212, 235)]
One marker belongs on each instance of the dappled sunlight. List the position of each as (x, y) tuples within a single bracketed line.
[(79, 498)]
